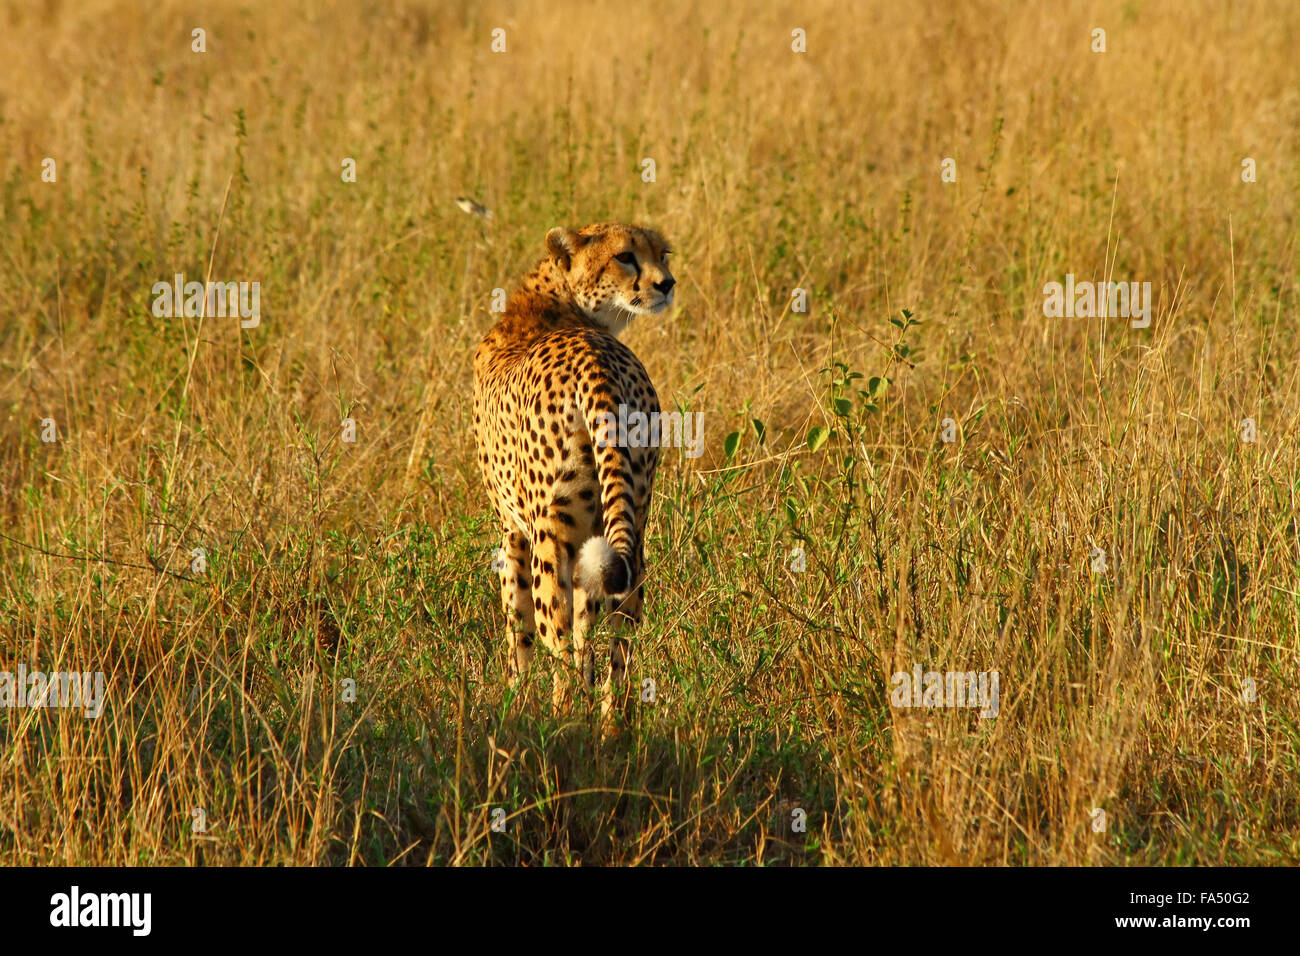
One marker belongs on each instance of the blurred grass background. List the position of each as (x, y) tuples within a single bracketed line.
[(328, 561)]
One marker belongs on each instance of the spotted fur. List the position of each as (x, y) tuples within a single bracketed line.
[(572, 503)]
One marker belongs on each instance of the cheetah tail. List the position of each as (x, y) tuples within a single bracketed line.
[(601, 571), (607, 565)]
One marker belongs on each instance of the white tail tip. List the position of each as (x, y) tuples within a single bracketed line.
[(601, 571)]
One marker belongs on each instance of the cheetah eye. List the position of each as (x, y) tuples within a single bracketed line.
[(627, 258)]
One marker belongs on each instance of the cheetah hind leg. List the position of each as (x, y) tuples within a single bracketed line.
[(585, 611), (553, 602), (512, 565), (625, 617)]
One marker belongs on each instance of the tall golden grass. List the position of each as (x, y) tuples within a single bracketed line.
[(1149, 712)]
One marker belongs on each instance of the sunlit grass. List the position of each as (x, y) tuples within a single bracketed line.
[(1162, 690)]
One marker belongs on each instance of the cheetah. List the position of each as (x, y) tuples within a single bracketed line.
[(549, 378)]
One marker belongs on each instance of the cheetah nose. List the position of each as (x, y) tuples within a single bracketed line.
[(666, 286)]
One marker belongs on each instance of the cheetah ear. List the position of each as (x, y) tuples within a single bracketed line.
[(562, 243)]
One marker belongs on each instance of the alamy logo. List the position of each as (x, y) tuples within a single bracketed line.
[(59, 689), (1096, 300), (633, 428), (946, 689), (102, 909), (213, 300)]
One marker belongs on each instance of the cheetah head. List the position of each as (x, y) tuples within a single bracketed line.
[(613, 271)]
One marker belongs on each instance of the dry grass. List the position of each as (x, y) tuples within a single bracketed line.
[(1120, 691)]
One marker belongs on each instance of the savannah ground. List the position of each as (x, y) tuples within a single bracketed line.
[(1149, 710)]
